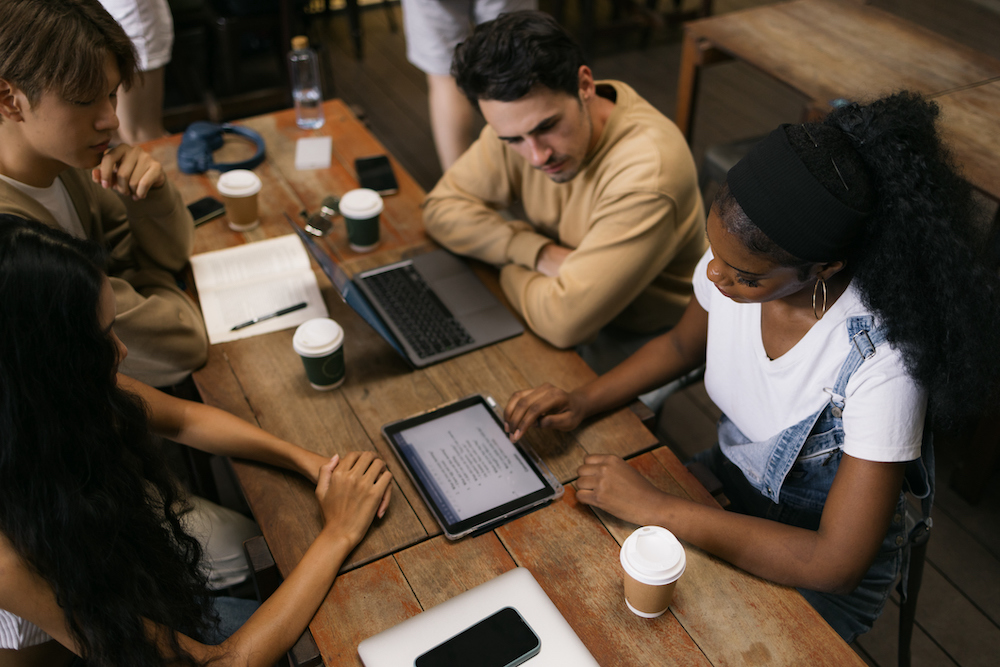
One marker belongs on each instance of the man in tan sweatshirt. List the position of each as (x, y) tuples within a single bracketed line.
[(614, 220)]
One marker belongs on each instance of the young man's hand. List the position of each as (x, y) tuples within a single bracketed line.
[(130, 171), (551, 258)]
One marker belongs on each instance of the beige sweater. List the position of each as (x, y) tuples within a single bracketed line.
[(148, 241), (633, 217)]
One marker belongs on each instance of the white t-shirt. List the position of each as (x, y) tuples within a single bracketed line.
[(150, 26), (56, 199), (17, 633), (883, 409)]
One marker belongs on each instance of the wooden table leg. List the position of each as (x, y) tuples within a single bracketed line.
[(695, 53)]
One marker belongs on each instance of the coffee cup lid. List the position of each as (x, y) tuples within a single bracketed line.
[(652, 555), (361, 204), (238, 183), (317, 337)]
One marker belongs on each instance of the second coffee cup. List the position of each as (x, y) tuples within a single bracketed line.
[(653, 560), (361, 209), (239, 189), (320, 344)]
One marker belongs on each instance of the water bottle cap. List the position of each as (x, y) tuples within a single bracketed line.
[(300, 43)]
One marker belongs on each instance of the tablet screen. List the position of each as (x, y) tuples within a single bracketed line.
[(469, 470)]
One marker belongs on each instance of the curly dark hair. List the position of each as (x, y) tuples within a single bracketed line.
[(919, 263), (85, 498), (507, 57)]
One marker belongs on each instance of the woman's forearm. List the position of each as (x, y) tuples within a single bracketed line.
[(219, 432), (833, 558), (654, 364), (284, 616)]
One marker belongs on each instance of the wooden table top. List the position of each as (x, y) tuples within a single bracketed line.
[(827, 49), (721, 615)]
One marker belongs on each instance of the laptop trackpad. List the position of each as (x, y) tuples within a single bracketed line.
[(463, 294)]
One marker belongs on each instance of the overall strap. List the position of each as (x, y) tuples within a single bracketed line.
[(864, 338)]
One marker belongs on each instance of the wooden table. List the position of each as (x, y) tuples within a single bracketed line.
[(970, 123), (720, 615), (828, 49)]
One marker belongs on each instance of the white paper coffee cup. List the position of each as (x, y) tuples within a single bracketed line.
[(320, 344), (361, 209), (653, 560), (238, 189)]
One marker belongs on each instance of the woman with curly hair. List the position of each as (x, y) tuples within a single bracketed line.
[(93, 550), (843, 297)]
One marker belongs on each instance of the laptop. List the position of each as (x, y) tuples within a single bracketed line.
[(429, 308), (401, 644)]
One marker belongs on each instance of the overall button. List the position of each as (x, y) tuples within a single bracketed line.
[(897, 518), (837, 412), (899, 540)]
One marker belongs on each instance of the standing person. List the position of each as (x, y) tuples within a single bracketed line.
[(433, 29), (57, 118), (844, 285), (150, 26), (614, 219), (94, 557)]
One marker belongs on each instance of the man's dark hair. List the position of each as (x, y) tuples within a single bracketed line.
[(506, 58)]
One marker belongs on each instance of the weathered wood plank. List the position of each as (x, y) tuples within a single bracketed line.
[(439, 569), (362, 603), (575, 561)]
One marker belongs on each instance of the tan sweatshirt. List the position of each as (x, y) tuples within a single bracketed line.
[(148, 241), (633, 217)]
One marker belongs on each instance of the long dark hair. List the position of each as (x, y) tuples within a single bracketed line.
[(85, 498), (920, 262)]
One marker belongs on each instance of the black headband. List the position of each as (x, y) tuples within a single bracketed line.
[(789, 205)]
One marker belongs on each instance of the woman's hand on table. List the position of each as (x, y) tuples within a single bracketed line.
[(546, 406), (611, 484), (351, 491)]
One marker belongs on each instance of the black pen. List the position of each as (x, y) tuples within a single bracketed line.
[(283, 311)]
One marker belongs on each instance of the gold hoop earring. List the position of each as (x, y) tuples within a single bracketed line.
[(819, 282)]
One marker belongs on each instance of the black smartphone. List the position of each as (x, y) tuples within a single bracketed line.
[(206, 209), (375, 173), (500, 640)]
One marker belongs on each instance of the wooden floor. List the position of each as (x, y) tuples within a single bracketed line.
[(958, 616)]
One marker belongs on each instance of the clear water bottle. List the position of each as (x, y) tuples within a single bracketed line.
[(303, 67)]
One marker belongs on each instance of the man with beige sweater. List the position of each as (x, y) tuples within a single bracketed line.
[(614, 220)]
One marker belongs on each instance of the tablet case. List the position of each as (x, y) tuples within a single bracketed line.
[(543, 469)]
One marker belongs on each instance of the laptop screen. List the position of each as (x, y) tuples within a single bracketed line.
[(346, 288)]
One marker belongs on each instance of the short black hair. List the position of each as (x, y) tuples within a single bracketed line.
[(507, 57)]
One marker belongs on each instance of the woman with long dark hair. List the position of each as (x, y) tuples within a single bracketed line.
[(93, 552), (843, 298)]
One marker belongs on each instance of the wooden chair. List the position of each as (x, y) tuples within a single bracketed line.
[(918, 534), (266, 580), (308, 9)]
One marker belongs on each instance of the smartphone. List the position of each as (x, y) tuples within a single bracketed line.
[(205, 209), (500, 640), (375, 173)]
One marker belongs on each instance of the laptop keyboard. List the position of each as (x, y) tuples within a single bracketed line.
[(417, 312)]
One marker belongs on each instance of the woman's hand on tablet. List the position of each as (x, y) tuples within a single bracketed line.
[(546, 406), (351, 490)]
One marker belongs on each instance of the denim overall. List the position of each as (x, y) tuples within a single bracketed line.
[(787, 479)]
